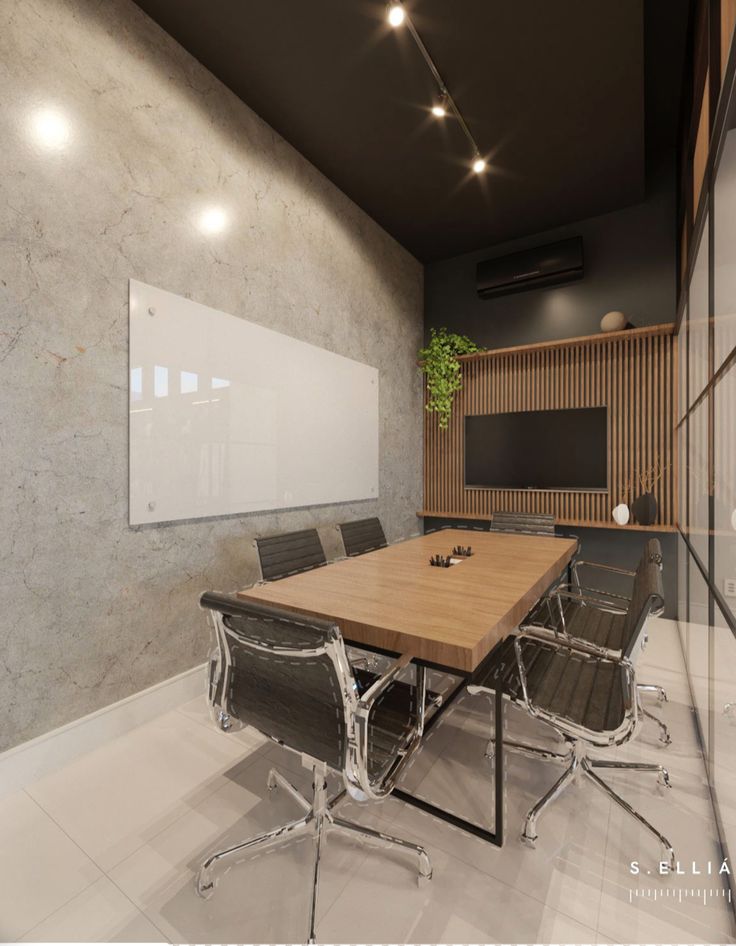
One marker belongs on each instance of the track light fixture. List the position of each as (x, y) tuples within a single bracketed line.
[(445, 104), (396, 14), (441, 106)]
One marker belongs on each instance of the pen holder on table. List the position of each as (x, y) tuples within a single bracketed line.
[(440, 561)]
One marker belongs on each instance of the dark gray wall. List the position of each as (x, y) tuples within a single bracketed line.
[(629, 266)]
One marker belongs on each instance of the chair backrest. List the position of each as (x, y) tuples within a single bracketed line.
[(283, 673), (647, 596), (290, 553), (362, 536), (534, 523)]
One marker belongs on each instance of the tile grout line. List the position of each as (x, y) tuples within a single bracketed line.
[(240, 766), (79, 848)]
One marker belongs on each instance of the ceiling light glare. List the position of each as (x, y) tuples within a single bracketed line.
[(396, 14), (213, 220), (479, 165), (50, 128), (439, 109)]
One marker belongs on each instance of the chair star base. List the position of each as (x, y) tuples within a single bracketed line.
[(319, 819), (581, 764)]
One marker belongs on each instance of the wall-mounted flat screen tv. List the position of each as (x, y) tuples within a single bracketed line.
[(566, 449)]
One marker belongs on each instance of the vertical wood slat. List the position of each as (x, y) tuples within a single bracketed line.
[(632, 376)]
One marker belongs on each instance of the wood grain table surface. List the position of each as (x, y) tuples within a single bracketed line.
[(394, 600)]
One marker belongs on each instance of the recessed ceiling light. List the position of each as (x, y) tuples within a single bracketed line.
[(50, 127), (396, 14), (213, 220), (479, 165)]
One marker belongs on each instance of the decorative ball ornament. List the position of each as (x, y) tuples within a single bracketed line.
[(613, 322), (621, 514)]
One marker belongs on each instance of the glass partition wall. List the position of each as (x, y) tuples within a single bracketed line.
[(706, 426)]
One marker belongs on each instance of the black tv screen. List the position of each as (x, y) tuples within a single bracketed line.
[(565, 449)]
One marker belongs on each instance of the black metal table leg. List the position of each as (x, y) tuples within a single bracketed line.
[(495, 836)]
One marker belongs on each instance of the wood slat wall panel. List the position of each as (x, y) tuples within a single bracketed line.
[(633, 375)]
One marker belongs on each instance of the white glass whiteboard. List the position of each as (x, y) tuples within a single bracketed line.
[(227, 416)]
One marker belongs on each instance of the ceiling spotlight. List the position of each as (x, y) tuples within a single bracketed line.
[(396, 14), (50, 127), (439, 109), (213, 220), (479, 165)]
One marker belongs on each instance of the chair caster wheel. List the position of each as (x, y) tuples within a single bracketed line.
[(664, 778), (423, 879), (666, 741), (529, 839), (205, 885), (272, 785)]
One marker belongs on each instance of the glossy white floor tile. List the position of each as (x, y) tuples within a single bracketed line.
[(108, 848), (101, 913), (41, 868), (113, 799)]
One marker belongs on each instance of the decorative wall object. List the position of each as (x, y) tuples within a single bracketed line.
[(631, 372), (613, 322), (644, 507), (621, 514), (442, 370)]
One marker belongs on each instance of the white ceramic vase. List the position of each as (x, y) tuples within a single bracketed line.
[(621, 514)]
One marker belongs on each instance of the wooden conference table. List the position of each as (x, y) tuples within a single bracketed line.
[(392, 601)]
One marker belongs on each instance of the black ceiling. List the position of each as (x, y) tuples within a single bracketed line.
[(553, 92)]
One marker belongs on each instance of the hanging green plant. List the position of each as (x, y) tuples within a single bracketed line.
[(440, 366)]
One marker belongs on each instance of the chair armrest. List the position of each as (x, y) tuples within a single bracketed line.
[(606, 568), (557, 639), (592, 596), (360, 784), (369, 698)]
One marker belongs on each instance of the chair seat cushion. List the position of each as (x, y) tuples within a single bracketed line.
[(582, 690)]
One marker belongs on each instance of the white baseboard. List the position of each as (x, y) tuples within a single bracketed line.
[(30, 761)]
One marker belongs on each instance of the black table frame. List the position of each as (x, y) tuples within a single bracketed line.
[(496, 836)]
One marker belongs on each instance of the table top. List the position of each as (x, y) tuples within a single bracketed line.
[(393, 599)]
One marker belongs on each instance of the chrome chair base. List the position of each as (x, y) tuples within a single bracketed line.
[(661, 694), (319, 819), (653, 688), (581, 764)]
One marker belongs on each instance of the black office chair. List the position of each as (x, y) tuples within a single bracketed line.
[(361, 536), (589, 698), (598, 617), (289, 677), (525, 522), (289, 554)]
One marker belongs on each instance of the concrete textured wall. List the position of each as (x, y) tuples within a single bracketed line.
[(114, 142)]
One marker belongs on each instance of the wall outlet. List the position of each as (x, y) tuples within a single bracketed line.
[(729, 587)]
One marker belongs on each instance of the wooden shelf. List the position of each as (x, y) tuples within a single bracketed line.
[(580, 524), (647, 331), (633, 373)]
